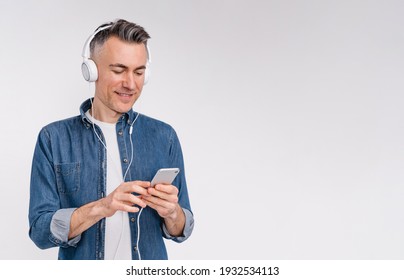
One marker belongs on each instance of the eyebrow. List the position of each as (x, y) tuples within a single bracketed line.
[(120, 65)]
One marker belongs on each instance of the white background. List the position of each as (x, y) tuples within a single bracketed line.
[(289, 113)]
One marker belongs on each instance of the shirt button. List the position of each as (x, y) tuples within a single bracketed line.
[(132, 220), (135, 248), (125, 160), (120, 132)]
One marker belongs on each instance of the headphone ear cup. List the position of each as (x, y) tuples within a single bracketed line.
[(89, 70)]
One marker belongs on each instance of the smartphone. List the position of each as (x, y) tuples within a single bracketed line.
[(165, 176)]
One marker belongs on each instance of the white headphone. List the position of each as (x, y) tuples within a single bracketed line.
[(89, 68)]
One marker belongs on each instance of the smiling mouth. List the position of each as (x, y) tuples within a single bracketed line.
[(124, 94)]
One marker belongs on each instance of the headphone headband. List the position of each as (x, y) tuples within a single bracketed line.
[(86, 49)]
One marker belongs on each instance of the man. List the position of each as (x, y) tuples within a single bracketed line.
[(90, 183)]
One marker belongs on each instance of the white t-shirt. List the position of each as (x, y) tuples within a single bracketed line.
[(117, 231)]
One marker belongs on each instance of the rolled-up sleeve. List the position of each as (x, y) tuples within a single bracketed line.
[(60, 227), (188, 228)]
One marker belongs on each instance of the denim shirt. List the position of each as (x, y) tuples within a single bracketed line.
[(69, 170)]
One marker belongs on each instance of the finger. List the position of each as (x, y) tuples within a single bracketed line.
[(117, 198), (143, 184), (158, 202), (120, 206), (128, 208), (163, 195), (131, 199), (132, 187), (170, 189), (152, 205), (163, 211)]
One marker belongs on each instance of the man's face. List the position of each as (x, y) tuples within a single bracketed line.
[(121, 70)]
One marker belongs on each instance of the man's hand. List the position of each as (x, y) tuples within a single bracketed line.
[(122, 198), (164, 199)]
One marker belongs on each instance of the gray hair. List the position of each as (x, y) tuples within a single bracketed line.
[(124, 30)]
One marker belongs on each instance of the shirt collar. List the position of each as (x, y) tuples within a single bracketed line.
[(128, 117)]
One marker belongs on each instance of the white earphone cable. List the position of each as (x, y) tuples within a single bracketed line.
[(138, 233)]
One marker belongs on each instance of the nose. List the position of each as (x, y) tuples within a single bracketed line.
[(129, 82)]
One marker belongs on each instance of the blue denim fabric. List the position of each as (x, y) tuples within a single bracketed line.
[(69, 170)]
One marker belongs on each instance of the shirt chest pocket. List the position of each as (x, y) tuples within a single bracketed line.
[(68, 177)]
